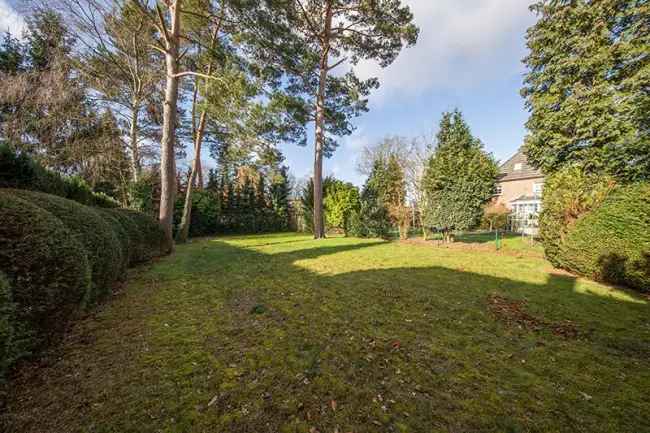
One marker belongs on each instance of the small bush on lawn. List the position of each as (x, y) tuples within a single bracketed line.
[(612, 242), (495, 217), (45, 264), (20, 171), (99, 238)]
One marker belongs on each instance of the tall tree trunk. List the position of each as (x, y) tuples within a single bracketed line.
[(199, 174), (133, 136), (167, 157), (184, 228), (319, 226)]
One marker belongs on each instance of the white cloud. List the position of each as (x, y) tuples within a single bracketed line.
[(462, 43), (10, 20)]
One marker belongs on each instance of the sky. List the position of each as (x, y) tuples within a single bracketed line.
[(468, 56)]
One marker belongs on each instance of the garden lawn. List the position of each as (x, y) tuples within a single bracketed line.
[(281, 333)]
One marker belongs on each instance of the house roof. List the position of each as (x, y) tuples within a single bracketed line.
[(508, 172)]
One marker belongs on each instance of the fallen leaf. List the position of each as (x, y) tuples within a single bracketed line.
[(333, 405)]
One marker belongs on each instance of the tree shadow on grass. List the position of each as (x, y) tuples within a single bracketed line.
[(243, 341)]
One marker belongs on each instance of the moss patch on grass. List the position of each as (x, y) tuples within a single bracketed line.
[(282, 333)]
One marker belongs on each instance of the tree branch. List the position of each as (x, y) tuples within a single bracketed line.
[(329, 68)]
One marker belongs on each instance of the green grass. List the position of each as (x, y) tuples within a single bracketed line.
[(281, 333)]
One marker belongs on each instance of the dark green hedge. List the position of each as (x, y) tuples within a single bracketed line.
[(20, 171), (568, 194), (57, 255), (612, 242), (99, 238), (46, 265)]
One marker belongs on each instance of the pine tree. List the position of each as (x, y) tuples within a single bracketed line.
[(337, 31)]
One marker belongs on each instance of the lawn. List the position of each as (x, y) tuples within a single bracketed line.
[(281, 333)]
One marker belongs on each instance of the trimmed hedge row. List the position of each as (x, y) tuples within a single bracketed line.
[(612, 242), (20, 171), (58, 255)]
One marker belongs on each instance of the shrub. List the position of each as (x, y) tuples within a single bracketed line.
[(142, 192), (372, 220), (20, 171), (568, 194), (205, 214), (495, 217), (12, 343), (99, 238), (57, 255), (145, 233), (44, 262), (612, 242)]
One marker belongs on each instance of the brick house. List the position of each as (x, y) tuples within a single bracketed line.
[(519, 189)]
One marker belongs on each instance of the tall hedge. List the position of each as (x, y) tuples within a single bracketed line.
[(612, 242), (100, 240), (568, 194), (55, 256), (592, 226), (46, 265)]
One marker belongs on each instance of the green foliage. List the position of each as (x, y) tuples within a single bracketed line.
[(14, 342), (568, 194), (46, 265), (141, 193), (341, 201), (611, 243), (101, 242), (17, 170), (206, 213), (459, 179), (495, 218), (307, 200), (58, 255), (373, 218), (587, 87)]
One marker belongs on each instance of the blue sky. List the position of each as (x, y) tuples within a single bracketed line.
[(468, 56)]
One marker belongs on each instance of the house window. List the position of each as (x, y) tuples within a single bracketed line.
[(499, 190), (518, 166), (538, 187)]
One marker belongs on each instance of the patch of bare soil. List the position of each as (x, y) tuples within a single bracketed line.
[(513, 314), (487, 247)]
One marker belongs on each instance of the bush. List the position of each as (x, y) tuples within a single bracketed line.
[(494, 218), (372, 220), (12, 343), (568, 194), (45, 264), (58, 255), (146, 234), (205, 216), (101, 242), (612, 242), (20, 171)]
